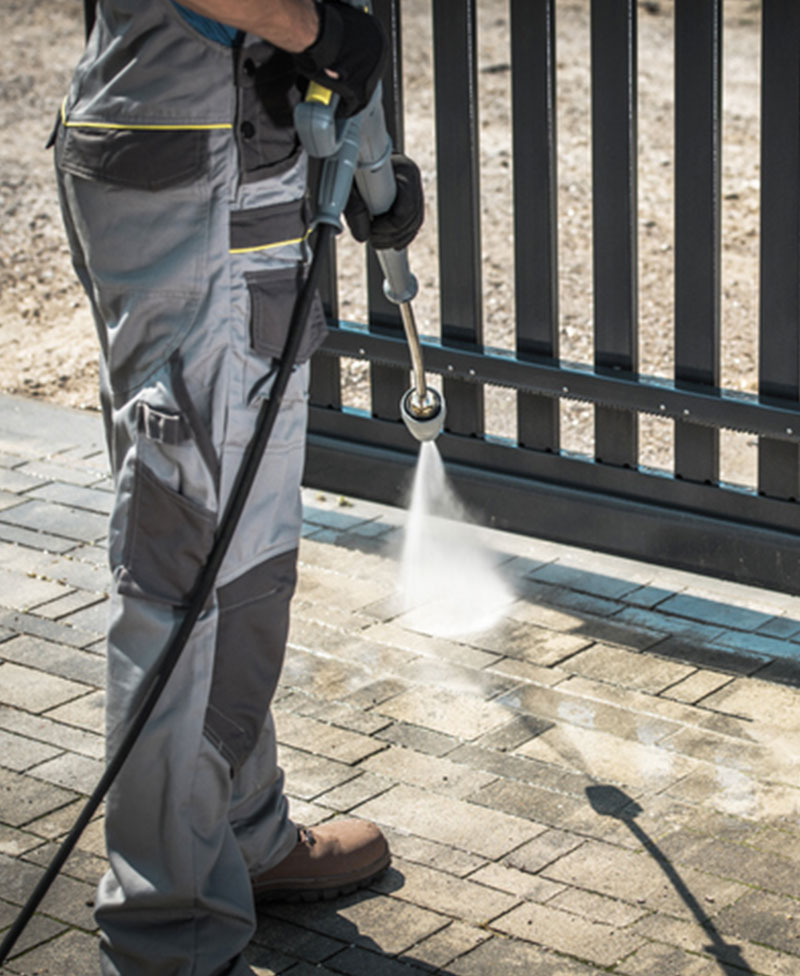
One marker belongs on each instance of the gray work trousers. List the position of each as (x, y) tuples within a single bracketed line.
[(188, 328)]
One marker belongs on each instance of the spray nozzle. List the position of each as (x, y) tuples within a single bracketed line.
[(423, 414)]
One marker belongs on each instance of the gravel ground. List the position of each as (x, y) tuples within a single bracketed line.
[(46, 336)]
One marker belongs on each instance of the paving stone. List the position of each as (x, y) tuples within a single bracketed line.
[(429, 772), (295, 940), (531, 673), (696, 686), (458, 897), (35, 691), (521, 728), (386, 924), (565, 599), (25, 592), (16, 481), (75, 496), (431, 854), (754, 700), (53, 471), (522, 769), (310, 776), (732, 792), (611, 759), (489, 833), (756, 644), (543, 850), (446, 712), (633, 702), (783, 671), (669, 625), (365, 962), (75, 772), (642, 672), (597, 908), (345, 716), (80, 865), (593, 941), (72, 570), (355, 792), (46, 729), (19, 754), (45, 541), (639, 879), (87, 712), (36, 932), (448, 944), (92, 619), (58, 633), (701, 939), (56, 659), (570, 705), (376, 692), (714, 612), (515, 882), (67, 606), (14, 842), (784, 628), (58, 520), (455, 678), (666, 961), (765, 870), (415, 737), (509, 957), (300, 732), (576, 578), (425, 645), (648, 596), (74, 952), (265, 961)]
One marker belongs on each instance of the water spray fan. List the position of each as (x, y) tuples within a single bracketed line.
[(360, 149)]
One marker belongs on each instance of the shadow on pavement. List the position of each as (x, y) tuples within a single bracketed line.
[(335, 935), (609, 801)]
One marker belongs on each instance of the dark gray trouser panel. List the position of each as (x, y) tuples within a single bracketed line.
[(253, 612), (199, 805)]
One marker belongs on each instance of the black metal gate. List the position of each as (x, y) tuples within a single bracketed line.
[(687, 519)]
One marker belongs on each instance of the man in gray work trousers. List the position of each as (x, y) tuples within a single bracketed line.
[(183, 188)]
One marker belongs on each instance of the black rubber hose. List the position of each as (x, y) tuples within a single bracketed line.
[(202, 590)]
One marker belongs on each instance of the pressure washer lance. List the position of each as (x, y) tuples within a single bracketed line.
[(360, 148)]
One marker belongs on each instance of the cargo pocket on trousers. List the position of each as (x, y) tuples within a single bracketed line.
[(273, 295), (140, 202), (167, 541)]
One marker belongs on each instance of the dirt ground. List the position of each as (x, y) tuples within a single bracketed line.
[(46, 335)]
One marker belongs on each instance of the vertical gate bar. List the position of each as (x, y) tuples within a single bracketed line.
[(533, 78), (456, 94), (779, 311), (388, 384), (614, 125), (698, 139)]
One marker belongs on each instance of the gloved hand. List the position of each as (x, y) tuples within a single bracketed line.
[(397, 227), (353, 45)]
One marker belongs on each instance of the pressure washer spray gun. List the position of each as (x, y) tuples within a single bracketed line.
[(360, 148)]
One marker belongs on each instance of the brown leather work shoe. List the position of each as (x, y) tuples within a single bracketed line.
[(332, 859)]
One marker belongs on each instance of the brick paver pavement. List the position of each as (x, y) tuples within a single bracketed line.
[(604, 782)]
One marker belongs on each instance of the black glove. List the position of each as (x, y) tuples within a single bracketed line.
[(351, 43), (397, 227)]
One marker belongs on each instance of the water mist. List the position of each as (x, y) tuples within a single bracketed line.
[(449, 582)]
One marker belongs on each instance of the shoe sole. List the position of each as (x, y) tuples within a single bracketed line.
[(326, 892)]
